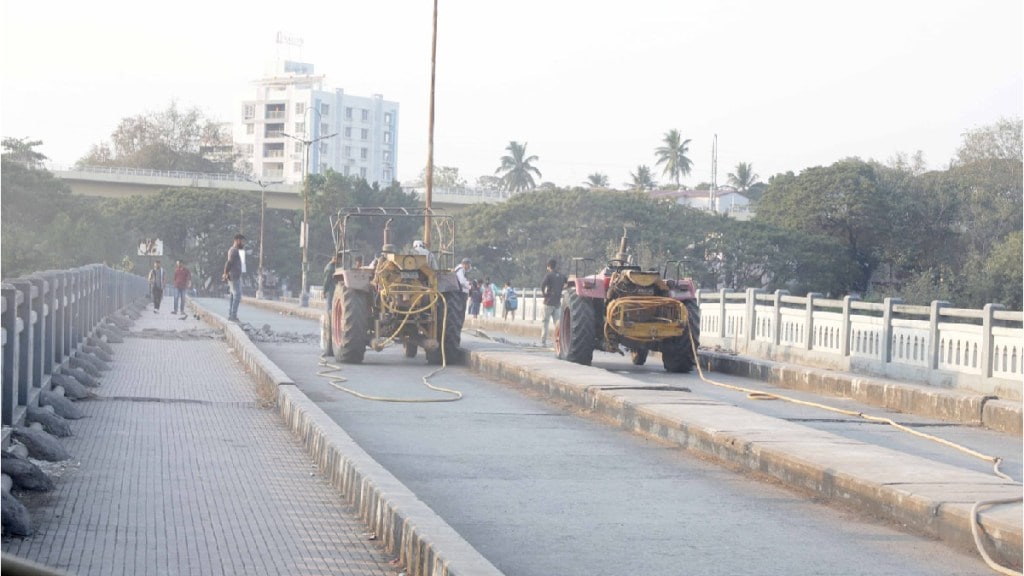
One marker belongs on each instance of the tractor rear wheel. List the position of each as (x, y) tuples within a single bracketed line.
[(576, 331), (451, 339), (350, 322), (676, 355), (410, 349)]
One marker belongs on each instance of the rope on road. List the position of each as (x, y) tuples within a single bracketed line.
[(995, 460)]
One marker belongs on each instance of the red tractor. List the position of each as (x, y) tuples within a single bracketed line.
[(624, 307)]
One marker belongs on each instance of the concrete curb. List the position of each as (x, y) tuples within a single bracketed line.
[(887, 484), (945, 404), (425, 543)]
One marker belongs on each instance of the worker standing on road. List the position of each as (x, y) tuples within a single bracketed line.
[(182, 282), (233, 275), (460, 272), (551, 288)]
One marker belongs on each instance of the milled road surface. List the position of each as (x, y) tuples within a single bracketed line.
[(539, 490)]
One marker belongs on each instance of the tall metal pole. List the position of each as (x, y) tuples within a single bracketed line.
[(263, 208), (430, 137), (304, 297)]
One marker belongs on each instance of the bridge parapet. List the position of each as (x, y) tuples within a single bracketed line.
[(46, 319), (979, 350)]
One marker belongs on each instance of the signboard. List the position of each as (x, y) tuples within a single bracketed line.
[(151, 247)]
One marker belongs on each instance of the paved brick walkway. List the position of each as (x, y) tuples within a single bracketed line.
[(178, 469)]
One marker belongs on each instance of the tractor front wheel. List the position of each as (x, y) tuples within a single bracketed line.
[(574, 340)]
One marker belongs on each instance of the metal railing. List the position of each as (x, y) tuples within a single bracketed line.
[(978, 350), (121, 171), (46, 318)]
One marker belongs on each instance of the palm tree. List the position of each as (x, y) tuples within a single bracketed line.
[(673, 156), (596, 180), (642, 179), (744, 177), (516, 170)]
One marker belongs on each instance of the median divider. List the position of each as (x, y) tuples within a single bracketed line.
[(927, 497), (425, 544)]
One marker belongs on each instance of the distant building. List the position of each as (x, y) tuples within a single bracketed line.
[(727, 200), (354, 135)]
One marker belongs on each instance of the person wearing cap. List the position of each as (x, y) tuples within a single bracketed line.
[(233, 275), (460, 272), (418, 247)]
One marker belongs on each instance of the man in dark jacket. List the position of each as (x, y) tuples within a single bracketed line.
[(551, 288)]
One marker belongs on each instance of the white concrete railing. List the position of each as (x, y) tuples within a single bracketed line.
[(122, 171), (980, 350)]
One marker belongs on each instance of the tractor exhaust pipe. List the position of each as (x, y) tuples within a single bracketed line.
[(623, 246)]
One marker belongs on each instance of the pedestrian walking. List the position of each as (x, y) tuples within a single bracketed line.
[(233, 269), (489, 294), (156, 285), (475, 298), (182, 283), (509, 302), (551, 288)]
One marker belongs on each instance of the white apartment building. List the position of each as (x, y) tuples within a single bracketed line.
[(352, 135)]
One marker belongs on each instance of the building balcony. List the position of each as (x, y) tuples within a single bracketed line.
[(275, 115)]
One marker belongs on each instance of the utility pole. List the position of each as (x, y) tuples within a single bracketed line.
[(714, 175), (304, 234), (263, 208), (430, 138)]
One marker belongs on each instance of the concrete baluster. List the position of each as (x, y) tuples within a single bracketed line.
[(48, 322), (25, 351), (846, 333), (887, 330), (777, 320), (934, 347), (751, 315), (987, 339), (721, 313), (38, 314), (809, 320), (12, 299)]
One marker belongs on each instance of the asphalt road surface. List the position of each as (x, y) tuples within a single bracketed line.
[(540, 490)]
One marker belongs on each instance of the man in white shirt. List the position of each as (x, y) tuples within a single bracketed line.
[(460, 272)]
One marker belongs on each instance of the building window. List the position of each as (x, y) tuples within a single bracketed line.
[(297, 167), (275, 112), (366, 115), (348, 132), (300, 127), (365, 133), (325, 109), (387, 118), (249, 111), (273, 150), (387, 176), (324, 147), (250, 128), (298, 147), (348, 151), (387, 156), (273, 130), (324, 127), (300, 108), (387, 137), (364, 153), (348, 112), (362, 173)]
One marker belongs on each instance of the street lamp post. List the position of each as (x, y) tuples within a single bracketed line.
[(307, 142), (263, 208)]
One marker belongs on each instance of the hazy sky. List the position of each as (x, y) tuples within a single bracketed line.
[(591, 86)]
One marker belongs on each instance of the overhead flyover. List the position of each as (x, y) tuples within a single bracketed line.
[(119, 182)]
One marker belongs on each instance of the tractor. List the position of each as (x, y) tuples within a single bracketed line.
[(624, 307), (407, 296)]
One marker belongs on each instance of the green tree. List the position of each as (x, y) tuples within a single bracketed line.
[(843, 201), (444, 177), (23, 151), (642, 179), (673, 155), (744, 177), (596, 180), (516, 169), (170, 139)]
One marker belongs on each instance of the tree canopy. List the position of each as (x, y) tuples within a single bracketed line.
[(170, 139), (673, 155)]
